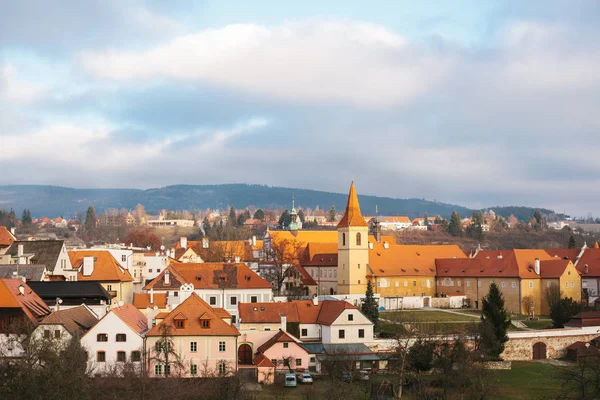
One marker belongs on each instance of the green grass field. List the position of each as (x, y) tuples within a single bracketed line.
[(425, 316)]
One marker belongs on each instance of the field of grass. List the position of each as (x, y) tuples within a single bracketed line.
[(425, 316), (527, 380), (539, 324)]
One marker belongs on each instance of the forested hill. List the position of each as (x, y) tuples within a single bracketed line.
[(55, 201)]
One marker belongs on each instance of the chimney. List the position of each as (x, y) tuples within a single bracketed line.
[(283, 323), (183, 242), (88, 266), (167, 278), (20, 250), (237, 259), (12, 231), (315, 300), (536, 266), (22, 290), (205, 243), (254, 240), (151, 295)]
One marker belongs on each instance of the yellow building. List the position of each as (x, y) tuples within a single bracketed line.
[(353, 248), (521, 275)]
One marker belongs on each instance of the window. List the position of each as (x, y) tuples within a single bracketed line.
[(342, 334), (46, 333), (313, 360), (343, 239), (361, 333), (572, 283), (212, 300), (304, 332), (286, 345), (222, 368), (222, 347), (193, 369), (414, 283), (468, 283), (179, 323), (233, 319), (158, 270), (57, 334), (423, 283), (158, 369), (513, 285), (167, 369), (101, 356), (121, 337), (298, 362), (274, 361), (405, 283), (175, 294), (502, 284), (205, 324), (548, 284), (150, 271), (478, 283), (193, 347), (253, 299), (233, 300), (569, 273), (121, 356), (123, 258), (530, 284), (358, 239), (566, 284), (136, 356), (102, 337), (359, 281), (350, 317)]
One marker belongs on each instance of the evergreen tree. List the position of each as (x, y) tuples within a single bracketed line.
[(495, 323), (285, 219), (259, 215), (232, 220), (90, 221), (572, 244), (475, 230), (332, 214), (426, 219), (301, 216), (369, 307), (455, 226), (206, 226), (26, 218), (561, 311)]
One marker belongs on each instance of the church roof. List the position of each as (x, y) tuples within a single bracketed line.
[(352, 216)]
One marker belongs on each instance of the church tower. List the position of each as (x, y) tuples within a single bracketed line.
[(353, 248)]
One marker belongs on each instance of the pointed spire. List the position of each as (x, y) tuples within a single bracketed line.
[(596, 246), (352, 216)]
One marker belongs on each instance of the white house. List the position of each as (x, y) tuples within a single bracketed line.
[(395, 223), (61, 326), (116, 339), (51, 253), (221, 285)]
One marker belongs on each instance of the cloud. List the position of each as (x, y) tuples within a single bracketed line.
[(315, 60), (15, 90)]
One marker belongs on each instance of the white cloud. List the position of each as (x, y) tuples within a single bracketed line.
[(315, 60), (15, 90)]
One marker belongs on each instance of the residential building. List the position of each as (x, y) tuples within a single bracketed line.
[(63, 325), (63, 295), (116, 339), (221, 285), (7, 238), (395, 223), (51, 253), (320, 260), (196, 333), (150, 300), (101, 266), (285, 352), (29, 272), (588, 267)]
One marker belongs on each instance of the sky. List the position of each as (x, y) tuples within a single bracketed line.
[(470, 102)]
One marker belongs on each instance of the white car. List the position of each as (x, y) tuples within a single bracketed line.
[(305, 378)]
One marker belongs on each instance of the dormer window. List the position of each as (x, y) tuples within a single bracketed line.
[(205, 324), (179, 323)]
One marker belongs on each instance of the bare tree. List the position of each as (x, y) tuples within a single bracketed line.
[(164, 353), (282, 254)]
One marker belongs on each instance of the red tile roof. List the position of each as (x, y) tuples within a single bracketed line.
[(132, 317), (106, 268), (142, 300), (352, 216), (262, 361), (331, 310), (194, 310), (568, 254), (6, 238), (553, 268), (268, 312), (279, 337), (591, 258), (210, 276), (524, 259), (28, 301)]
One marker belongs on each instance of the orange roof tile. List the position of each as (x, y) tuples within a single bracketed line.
[(193, 308), (279, 337), (28, 301), (210, 276), (306, 236), (524, 259), (409, 260), (331, 310), (591, 258), (106, 268), (262, 361), (222, 313), (142, 300), (261, 313), (553, 268), (398, 219), (6, 238), (132, 317), (352, 216)]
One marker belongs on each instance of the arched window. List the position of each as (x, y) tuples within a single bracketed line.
[(343, 239), (358, 238)]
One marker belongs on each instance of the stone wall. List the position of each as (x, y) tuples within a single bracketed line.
[(522, 348)]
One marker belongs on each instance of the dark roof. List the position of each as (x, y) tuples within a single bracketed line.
[(44, 251), (68, 289), (31, 272), (76, 320), (585, 318)]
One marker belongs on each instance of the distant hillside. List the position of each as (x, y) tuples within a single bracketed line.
[(54, 200)]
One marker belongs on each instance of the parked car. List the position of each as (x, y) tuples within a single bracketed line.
[(290, 380), (304, 378), (356, 376), (363, 375)]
